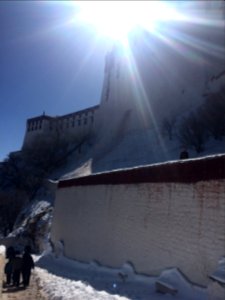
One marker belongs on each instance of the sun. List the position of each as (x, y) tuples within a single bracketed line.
[(115, 19)]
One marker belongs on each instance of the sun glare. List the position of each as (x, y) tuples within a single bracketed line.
[(115, 19)]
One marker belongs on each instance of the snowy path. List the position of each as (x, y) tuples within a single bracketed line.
[(33, 292), (64, 279)]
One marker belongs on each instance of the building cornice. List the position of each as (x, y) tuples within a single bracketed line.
[(183, 171)]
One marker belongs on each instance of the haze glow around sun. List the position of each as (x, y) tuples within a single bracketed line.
[(115, 19)]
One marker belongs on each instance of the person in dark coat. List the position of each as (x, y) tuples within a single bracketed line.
[(184, 154), (16, 268), (8, 272), (27, 265), (10, 254)]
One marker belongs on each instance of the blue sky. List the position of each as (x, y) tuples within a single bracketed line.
[(46, 64)]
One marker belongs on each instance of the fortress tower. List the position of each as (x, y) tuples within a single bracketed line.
[(158, 75), (161, 74)]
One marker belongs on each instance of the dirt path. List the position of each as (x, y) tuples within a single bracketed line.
[(33, 292)]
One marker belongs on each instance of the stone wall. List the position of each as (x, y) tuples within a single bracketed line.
[(167, 215)]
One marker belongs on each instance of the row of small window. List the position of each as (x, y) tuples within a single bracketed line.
[(34, 126), (73, 123), (62, 124), (72, 118)]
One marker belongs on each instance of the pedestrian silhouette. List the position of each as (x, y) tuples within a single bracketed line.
[(10, 254), (184, 154), (16, 268), (27, 265)]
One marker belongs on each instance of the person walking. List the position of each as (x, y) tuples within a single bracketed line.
[(27, 265), (16, 268), (10, 254), (184, 154)]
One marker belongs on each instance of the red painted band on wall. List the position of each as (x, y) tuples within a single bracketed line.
[(185, 171)]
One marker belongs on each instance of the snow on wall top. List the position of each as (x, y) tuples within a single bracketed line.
[(185, 171)]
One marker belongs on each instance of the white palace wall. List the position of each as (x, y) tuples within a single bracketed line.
[(70, 127), (162, 74), (170, 215)]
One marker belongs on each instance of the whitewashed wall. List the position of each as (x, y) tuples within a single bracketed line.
[(154, 225), (72, 127)]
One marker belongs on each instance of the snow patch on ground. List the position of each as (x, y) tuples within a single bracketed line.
[(219, 274), (65, 279), (2, 250)]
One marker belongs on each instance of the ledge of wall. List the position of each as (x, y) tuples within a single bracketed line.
[(183, 171)]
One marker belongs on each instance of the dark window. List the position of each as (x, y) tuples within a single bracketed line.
[(79, 122), (107, 88), (92, 119), (118, 71), (85, 121)]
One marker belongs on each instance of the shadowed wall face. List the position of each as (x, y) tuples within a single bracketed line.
[(154, 225)]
